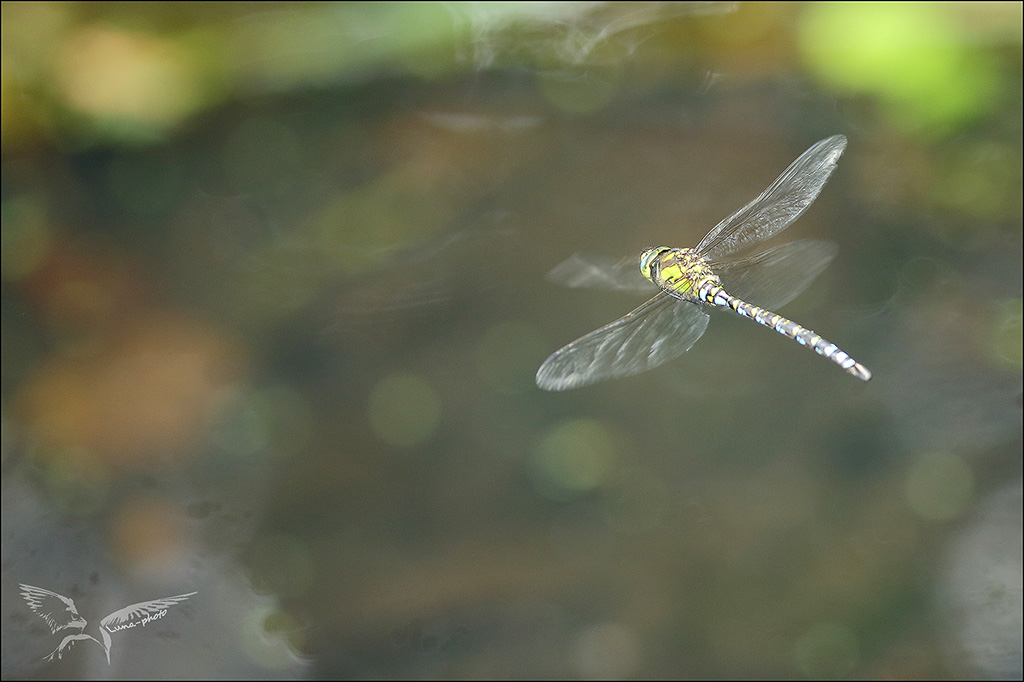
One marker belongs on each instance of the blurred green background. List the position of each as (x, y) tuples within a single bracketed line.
[(273, 296)]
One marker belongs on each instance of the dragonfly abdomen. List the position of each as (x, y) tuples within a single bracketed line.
[(716, 295)]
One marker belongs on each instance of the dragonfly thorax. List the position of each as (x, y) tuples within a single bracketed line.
[(679, 272)]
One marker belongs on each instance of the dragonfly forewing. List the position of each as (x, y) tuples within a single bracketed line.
[(660, 330), (779, 205), (599, 272)]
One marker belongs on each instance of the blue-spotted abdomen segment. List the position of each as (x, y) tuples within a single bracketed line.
[(716, 295)]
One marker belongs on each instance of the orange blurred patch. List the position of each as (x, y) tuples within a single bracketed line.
[(82, 289), (143, 398), (147, 533)]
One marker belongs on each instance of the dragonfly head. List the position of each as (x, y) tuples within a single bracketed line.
[(648, 258)]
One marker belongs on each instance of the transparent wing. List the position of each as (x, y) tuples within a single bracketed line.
[(774, 278), (601, 273), (779, 205), (661, 329)]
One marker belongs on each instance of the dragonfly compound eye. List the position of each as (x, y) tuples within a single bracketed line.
[(648, 258)]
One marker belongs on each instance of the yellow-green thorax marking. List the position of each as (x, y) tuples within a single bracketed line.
[(679, 272), (685, 275)]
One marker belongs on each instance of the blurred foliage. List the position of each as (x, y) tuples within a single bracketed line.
[(85, 73), (920, 60)]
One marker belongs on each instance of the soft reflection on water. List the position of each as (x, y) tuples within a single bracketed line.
[(270, 333)]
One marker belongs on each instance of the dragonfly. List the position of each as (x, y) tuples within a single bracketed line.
[(688, 281)]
